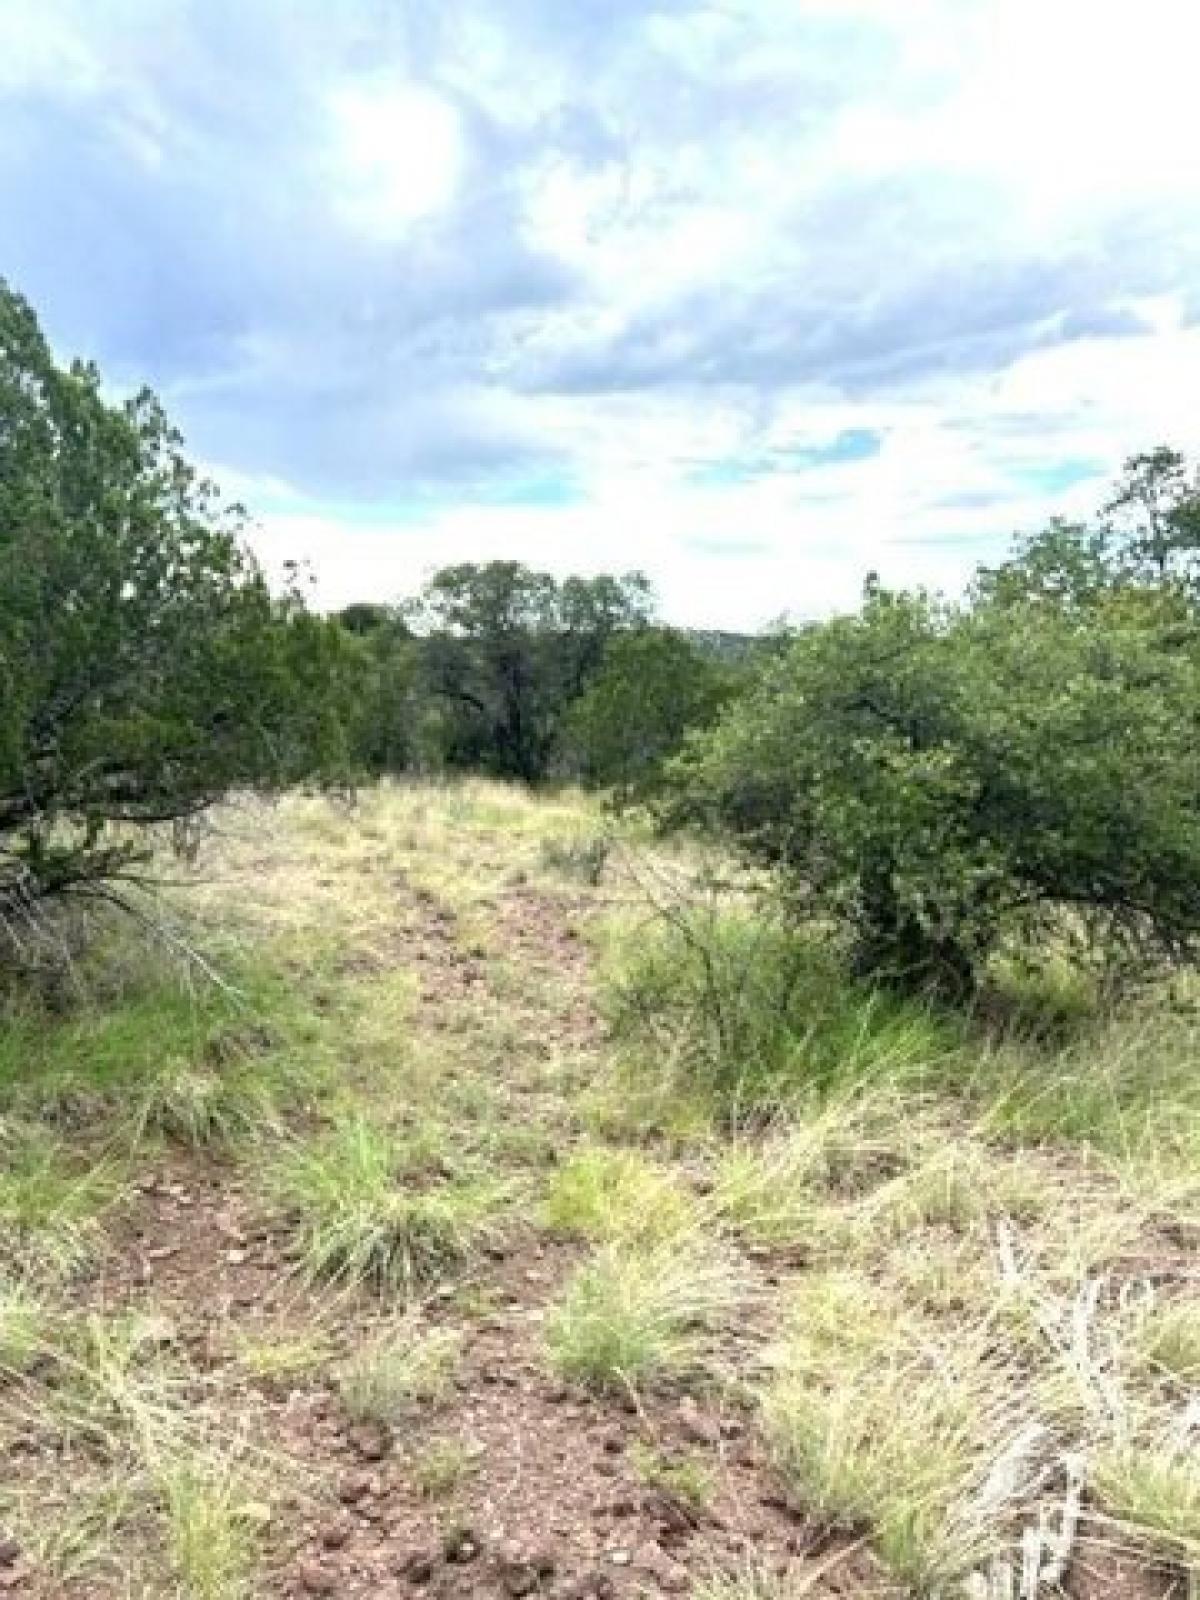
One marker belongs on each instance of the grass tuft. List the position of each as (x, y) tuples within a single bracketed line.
[(631, 1317), (607, 1194), (212, 1529), (50, 1204), (364, 1216), (399, 1370), (204, 1109)]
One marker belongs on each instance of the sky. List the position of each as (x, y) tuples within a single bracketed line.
[(758, 296)]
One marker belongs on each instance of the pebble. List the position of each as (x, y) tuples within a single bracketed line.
[(417, 1566), (355, 1486), (372, 1444), (695, 1426), (667, 1573), (460, 1545), (315, 1579)]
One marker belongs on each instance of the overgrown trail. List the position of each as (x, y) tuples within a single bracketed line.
[(393, 1287)]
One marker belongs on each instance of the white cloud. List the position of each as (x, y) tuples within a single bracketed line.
[(659, 259), (397, 153)]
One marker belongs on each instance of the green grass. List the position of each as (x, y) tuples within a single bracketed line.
[(1167, 1338), (631, 1317), (441, 1467), (23, 1327), (606, 1194), (51, 1200), (738, 1002), (684, 1479), (365, 1209), (213, 1529), (1151, 1491)]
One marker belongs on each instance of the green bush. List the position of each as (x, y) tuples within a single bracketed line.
[(939, 784)]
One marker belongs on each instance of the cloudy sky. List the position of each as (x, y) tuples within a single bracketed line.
[(757, 295)]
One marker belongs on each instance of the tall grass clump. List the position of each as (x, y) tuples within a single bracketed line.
[(1127, 1087), (734, 999), (366, 1213)]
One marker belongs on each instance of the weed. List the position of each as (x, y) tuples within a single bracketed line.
[(278, 1357), (684, 1479)]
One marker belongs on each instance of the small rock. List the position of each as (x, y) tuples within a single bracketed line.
[(10, 1551), (355, 1486), (460, 1545), (335, 1534), (236, 1257), (522, 1568), (614, 1444), (417, 1566), (620, 1558), (695, 1426), (313, 1578), (372, 1444), (657, 1564), (154, 1332)]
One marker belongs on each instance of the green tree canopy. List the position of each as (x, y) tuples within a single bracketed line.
[(505, 649), (145, 667), (655, 686)]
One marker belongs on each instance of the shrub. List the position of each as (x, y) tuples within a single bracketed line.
[(654, 687), (939, 783)]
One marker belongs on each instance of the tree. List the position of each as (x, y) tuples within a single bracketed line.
[(654, 687), (1155, 512), (505, 649), (383, 730), (938, 782), (1146, 541), (145, 667)]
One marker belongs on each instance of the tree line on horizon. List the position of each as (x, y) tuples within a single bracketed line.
[(929, 780)]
